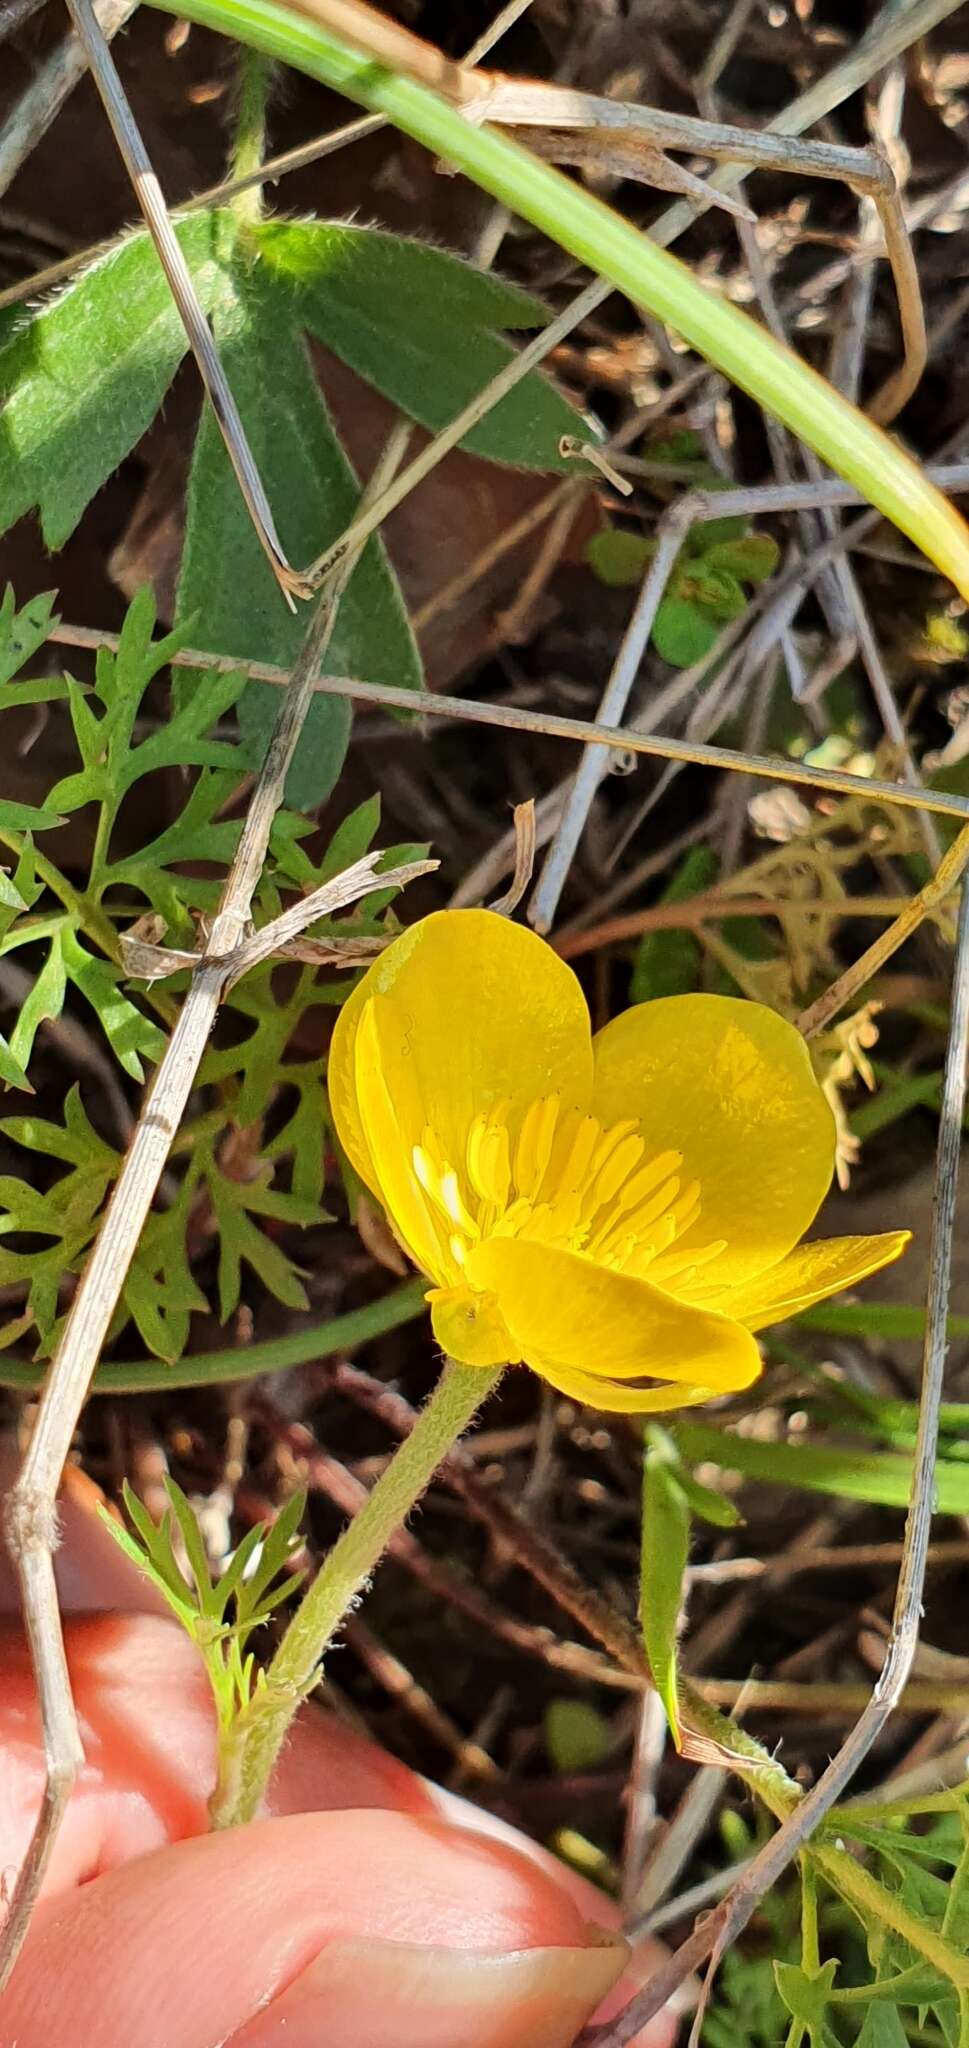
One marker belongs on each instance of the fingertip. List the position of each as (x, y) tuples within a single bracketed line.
[(323, 1921)]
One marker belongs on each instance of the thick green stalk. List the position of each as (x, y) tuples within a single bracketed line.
[(650, 276), (254, 1743)]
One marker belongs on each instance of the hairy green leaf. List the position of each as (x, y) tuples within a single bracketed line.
[(226, 580), (83, 376), (422, 326)]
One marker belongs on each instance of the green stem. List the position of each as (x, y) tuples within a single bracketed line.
[(810, 1942), (276, 1354), (249, 132), (772, 374), (254, 1743)]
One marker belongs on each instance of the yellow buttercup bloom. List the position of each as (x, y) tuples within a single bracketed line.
[(608, 1210)]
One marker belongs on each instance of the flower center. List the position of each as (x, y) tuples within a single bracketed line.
[(568, 1181)]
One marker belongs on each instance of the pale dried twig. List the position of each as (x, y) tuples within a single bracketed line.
[(621, 739), (148, 193), (282, 938), (45, 96)]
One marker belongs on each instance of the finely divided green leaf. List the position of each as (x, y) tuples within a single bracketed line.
[(227, 581), (423, 327), (83, 376)]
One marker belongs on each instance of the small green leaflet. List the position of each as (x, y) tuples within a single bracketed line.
[(807, 1998), (705, 589), (22, 633)]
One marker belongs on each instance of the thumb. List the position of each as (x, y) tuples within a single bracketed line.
[(356, 1928)]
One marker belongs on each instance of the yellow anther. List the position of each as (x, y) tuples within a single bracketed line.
[(649, 1177), (578, 1158), (534, 1148), (489, 1163), (618, 1166), (641, 1219)]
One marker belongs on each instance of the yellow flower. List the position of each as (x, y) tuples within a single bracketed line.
[(607, 1209)]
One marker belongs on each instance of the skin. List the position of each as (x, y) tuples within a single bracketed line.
[(370, 1907)]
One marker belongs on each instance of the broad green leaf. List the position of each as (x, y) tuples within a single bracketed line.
[(683, 632), (83, 377), (883, 1477), (617, 556), (665, 1548), (422, 326), (577, 1736), (668, 963), (227, 581)]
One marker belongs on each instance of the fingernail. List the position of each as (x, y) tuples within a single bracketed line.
[(364, 1994)]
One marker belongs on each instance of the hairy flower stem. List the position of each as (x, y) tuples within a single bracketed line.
[(249, 131), (253, 1744)]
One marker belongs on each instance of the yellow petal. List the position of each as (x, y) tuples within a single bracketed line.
[(395, 1181), (810, 1273), (593, 1393), (474, 1011), (730, 1085), (563, 1308), (469, 1327)]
